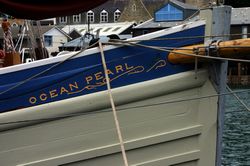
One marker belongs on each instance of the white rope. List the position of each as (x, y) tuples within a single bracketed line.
[(143, 5), (21, 43), (20, 38), (237, 97), (113, 106), (173, 101), (128, 43)]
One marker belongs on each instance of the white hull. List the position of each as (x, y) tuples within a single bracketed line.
[(182, 133)]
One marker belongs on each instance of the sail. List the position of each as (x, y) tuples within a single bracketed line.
[(36, 10)]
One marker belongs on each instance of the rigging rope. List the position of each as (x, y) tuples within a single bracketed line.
[(117, 124), (143, 5), (237, 97), (44, 71), (129, 43), (187, 37), (173, 101)]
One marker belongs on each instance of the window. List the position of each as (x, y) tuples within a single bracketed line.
[(77, 18), (90, 16), (63, 19), (116, 29), (117, 14), (107, 29), (144, 31), (169, 13), (48, 41), (134, 7), (104, 16)]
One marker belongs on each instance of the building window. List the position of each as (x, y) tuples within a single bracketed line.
[(90, 17), (134, 7), (169, 13), (104, 16), (48, 41), (77, 18), (63, 19), (144, 31), (117, 14)]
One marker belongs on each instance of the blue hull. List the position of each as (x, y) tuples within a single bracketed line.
[(84, 74)]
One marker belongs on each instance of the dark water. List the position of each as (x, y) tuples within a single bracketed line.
[(236, 137)]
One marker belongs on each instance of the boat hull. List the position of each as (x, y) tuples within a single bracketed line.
[(159, 127), (81, 73)]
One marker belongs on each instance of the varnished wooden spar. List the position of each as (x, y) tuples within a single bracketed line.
[(228, 49)]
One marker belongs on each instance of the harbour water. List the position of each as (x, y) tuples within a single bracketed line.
[(236, 137)]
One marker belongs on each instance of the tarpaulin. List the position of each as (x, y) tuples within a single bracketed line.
[(37, 9)]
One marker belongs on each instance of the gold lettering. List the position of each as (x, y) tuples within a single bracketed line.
[(32, 100), (88, 79), (109, 71), (71, 86), (53, 93), (128, 67), (98, 76), (43, 97), (119, 68), (63, 90)]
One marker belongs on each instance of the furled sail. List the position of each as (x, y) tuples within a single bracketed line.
[(36, 10)]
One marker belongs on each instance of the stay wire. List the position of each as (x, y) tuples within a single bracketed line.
[(44, 71), (168, 50)]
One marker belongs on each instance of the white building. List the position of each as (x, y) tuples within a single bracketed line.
[(54, 38)]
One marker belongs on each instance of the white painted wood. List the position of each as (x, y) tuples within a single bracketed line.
[(179, 133)]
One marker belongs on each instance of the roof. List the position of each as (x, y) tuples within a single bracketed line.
[(110, 6), (240, 16), (183, 5), (152, 24), (105, 28), (81, 41), (16, 31)]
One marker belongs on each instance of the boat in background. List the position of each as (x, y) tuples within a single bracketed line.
[(57, 111)]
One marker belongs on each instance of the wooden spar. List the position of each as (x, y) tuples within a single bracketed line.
[(239, 48)]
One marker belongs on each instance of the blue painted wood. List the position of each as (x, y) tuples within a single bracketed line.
[(85, 75)]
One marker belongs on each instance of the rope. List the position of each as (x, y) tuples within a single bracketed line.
[(198, 47), (143, 5), (128, 43), (21, 43), (187, 37), (113, 106), (41, 41), (44, 71), (177, 100), (167, 50), (19, 39), (237, 97)]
